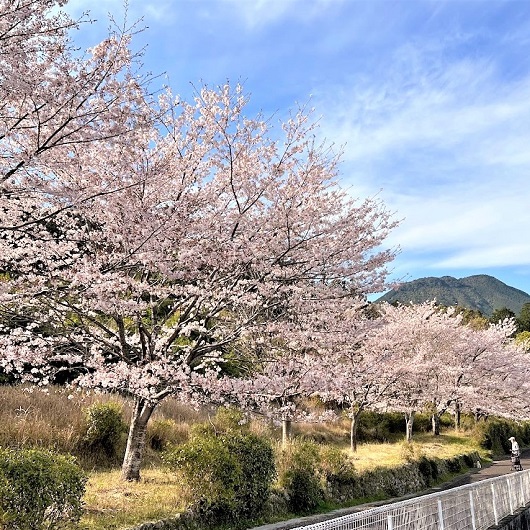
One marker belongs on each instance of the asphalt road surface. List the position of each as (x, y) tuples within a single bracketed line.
[(499, 467)]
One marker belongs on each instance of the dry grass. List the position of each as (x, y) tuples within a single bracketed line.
[(181, 413), (49, 419), (336, 432), (451, 443), (57, 420), (111, 503)]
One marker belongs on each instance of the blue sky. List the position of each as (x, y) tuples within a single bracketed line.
[(429, 99)]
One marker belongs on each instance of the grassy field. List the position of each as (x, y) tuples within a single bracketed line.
[(448, 444), (111, 503), (57, 420)]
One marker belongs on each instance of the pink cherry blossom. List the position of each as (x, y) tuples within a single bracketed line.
[(146, 242)]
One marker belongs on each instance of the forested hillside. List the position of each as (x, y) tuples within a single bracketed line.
[(480, 292)]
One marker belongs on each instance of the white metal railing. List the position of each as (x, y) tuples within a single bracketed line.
[(473, 506)]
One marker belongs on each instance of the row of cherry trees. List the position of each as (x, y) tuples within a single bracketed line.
[(159, 247), (409, 358)]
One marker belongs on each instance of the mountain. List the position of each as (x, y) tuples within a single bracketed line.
[(481, 292)]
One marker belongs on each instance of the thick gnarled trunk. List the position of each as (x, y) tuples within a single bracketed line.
[(136, 440)]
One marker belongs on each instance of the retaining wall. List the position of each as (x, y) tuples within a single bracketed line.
[(519, 521)]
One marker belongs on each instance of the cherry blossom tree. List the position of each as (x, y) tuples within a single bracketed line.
[(53, 103), (289, 381), (438, 361), (358, 377), (399, 341), (171, 246), (344, 373), (277, 388), (495, 373)]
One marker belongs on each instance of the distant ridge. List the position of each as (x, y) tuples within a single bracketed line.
[(481, 292)]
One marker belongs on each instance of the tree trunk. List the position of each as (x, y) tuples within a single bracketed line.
[(286, 431), (409, 420), (132, 461), (353, 432), (435, 420), (458, 416)]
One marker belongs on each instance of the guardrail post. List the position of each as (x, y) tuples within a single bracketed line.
[(510, 496), (390, 523), (494, 502), (472, 510), (440, 515)]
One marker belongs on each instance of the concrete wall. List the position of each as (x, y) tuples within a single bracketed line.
[(519, 521)]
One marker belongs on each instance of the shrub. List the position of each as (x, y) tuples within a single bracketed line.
[(300, 476), (447, 421), (39, 490), (409, 451), (230, 420), (339, 473), (229, 474), (208, 472), (428, 469), (524, 433), (104, 428), (380, 427), (256, 458), (422, 422), (163, 432), (454, 465), (469, 461), (493, 434), (336, 466)]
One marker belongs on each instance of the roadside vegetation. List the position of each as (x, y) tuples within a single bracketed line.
[(93, 428)]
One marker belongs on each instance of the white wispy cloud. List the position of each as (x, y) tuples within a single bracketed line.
[(448, 142), (259, 13), (464, 110), (504, 254)]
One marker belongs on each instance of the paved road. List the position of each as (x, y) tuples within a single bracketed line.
[(499, 467)]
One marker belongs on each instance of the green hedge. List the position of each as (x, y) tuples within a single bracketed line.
[(310, 478), (228, 474), (39, 490), (493, 434), (413, 476)]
